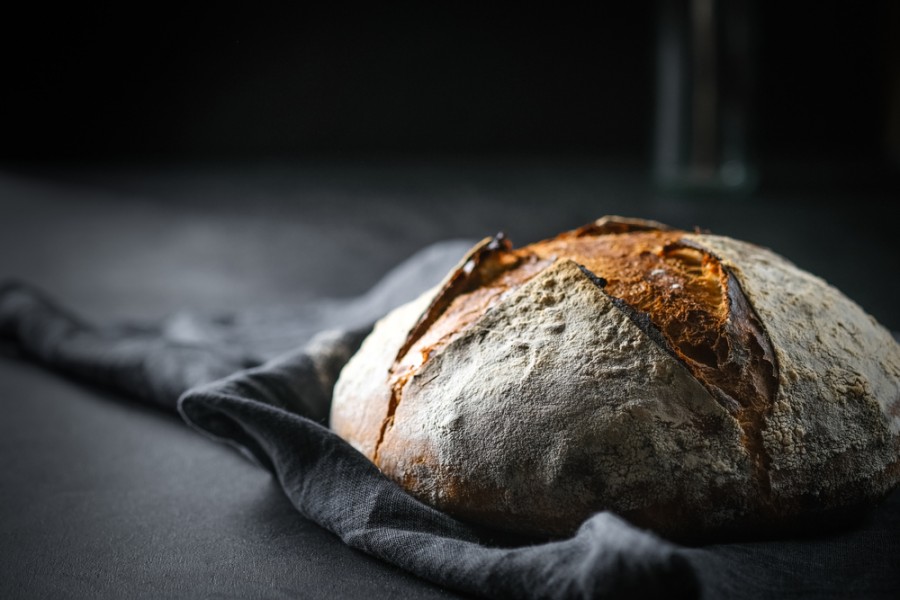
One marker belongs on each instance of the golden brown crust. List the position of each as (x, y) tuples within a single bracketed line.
[(689, 296)]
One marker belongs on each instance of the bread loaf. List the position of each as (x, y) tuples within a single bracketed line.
[(689, 382)]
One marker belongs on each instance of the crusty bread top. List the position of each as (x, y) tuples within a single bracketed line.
[(696, 308)]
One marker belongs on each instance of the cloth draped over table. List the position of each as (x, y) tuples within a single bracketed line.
[(261, 381)]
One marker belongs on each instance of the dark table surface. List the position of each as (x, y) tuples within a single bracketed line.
[(102, 497)]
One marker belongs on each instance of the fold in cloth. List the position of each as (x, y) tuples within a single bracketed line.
[(240, 382)]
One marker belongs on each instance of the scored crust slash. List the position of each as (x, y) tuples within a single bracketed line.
[(692, 383)]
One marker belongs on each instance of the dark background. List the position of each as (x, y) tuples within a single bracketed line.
[(124, 81)]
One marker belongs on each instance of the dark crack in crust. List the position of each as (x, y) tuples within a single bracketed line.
[(640, 319), (472, 271), (740, 371)]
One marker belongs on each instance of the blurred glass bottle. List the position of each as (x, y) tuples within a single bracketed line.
[(704, 96)]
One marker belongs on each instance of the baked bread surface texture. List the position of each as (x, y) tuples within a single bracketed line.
[(832, 432), (691, 383)]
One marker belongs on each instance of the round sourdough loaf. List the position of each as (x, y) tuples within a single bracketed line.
[(691, 383)]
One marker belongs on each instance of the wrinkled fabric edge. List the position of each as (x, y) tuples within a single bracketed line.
[(606, 558)]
